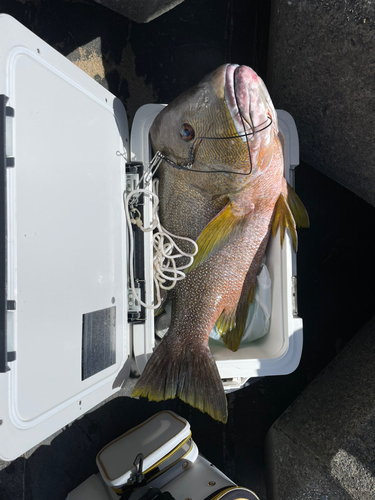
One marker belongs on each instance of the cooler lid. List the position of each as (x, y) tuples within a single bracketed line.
[(155, 438), (63, 315)]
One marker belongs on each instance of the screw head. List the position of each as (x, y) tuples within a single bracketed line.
[(211, 483), (185, 465)]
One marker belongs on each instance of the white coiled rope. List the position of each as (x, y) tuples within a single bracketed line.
[(166, 251)]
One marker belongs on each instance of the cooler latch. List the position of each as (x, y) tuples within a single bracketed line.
[(294, 296)]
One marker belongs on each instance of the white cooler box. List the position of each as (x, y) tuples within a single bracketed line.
[(65, 335)]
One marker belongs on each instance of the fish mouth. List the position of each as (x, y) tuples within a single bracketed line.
[(248, 101)]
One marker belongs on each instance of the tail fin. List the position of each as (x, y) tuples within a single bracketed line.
[(190, 374)]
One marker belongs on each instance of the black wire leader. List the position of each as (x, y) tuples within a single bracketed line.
[(193, 147)]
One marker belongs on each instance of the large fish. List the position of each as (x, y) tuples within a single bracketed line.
[(230, 195)]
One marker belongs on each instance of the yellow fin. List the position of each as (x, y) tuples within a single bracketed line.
[(298, 209), (283, 217), (225, 324), (225, 227), (231, 327), (251, 295), (189, 374)]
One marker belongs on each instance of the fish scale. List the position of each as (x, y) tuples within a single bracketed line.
[(229, 215)]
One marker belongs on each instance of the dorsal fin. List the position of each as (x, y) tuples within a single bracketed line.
[(283, 218), (289, 213), (298, 209)]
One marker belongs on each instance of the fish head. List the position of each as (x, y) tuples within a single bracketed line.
[(221, 131)]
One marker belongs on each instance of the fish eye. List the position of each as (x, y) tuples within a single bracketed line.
[(187, 132)]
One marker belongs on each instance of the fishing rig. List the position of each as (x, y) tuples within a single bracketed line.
[(198, 140)]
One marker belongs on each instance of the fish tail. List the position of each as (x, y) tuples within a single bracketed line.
[(190, 374)]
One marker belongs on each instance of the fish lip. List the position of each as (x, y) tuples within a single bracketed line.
[(243, 94)]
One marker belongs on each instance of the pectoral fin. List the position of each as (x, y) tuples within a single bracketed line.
[(228, 225)]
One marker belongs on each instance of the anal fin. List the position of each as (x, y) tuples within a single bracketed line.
[(232, 326)]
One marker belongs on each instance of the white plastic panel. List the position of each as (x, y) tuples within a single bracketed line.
[(66, 241), (68, 237)]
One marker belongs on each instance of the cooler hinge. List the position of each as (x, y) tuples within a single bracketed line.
[(136, 312), (9, 115), (6, 161)]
